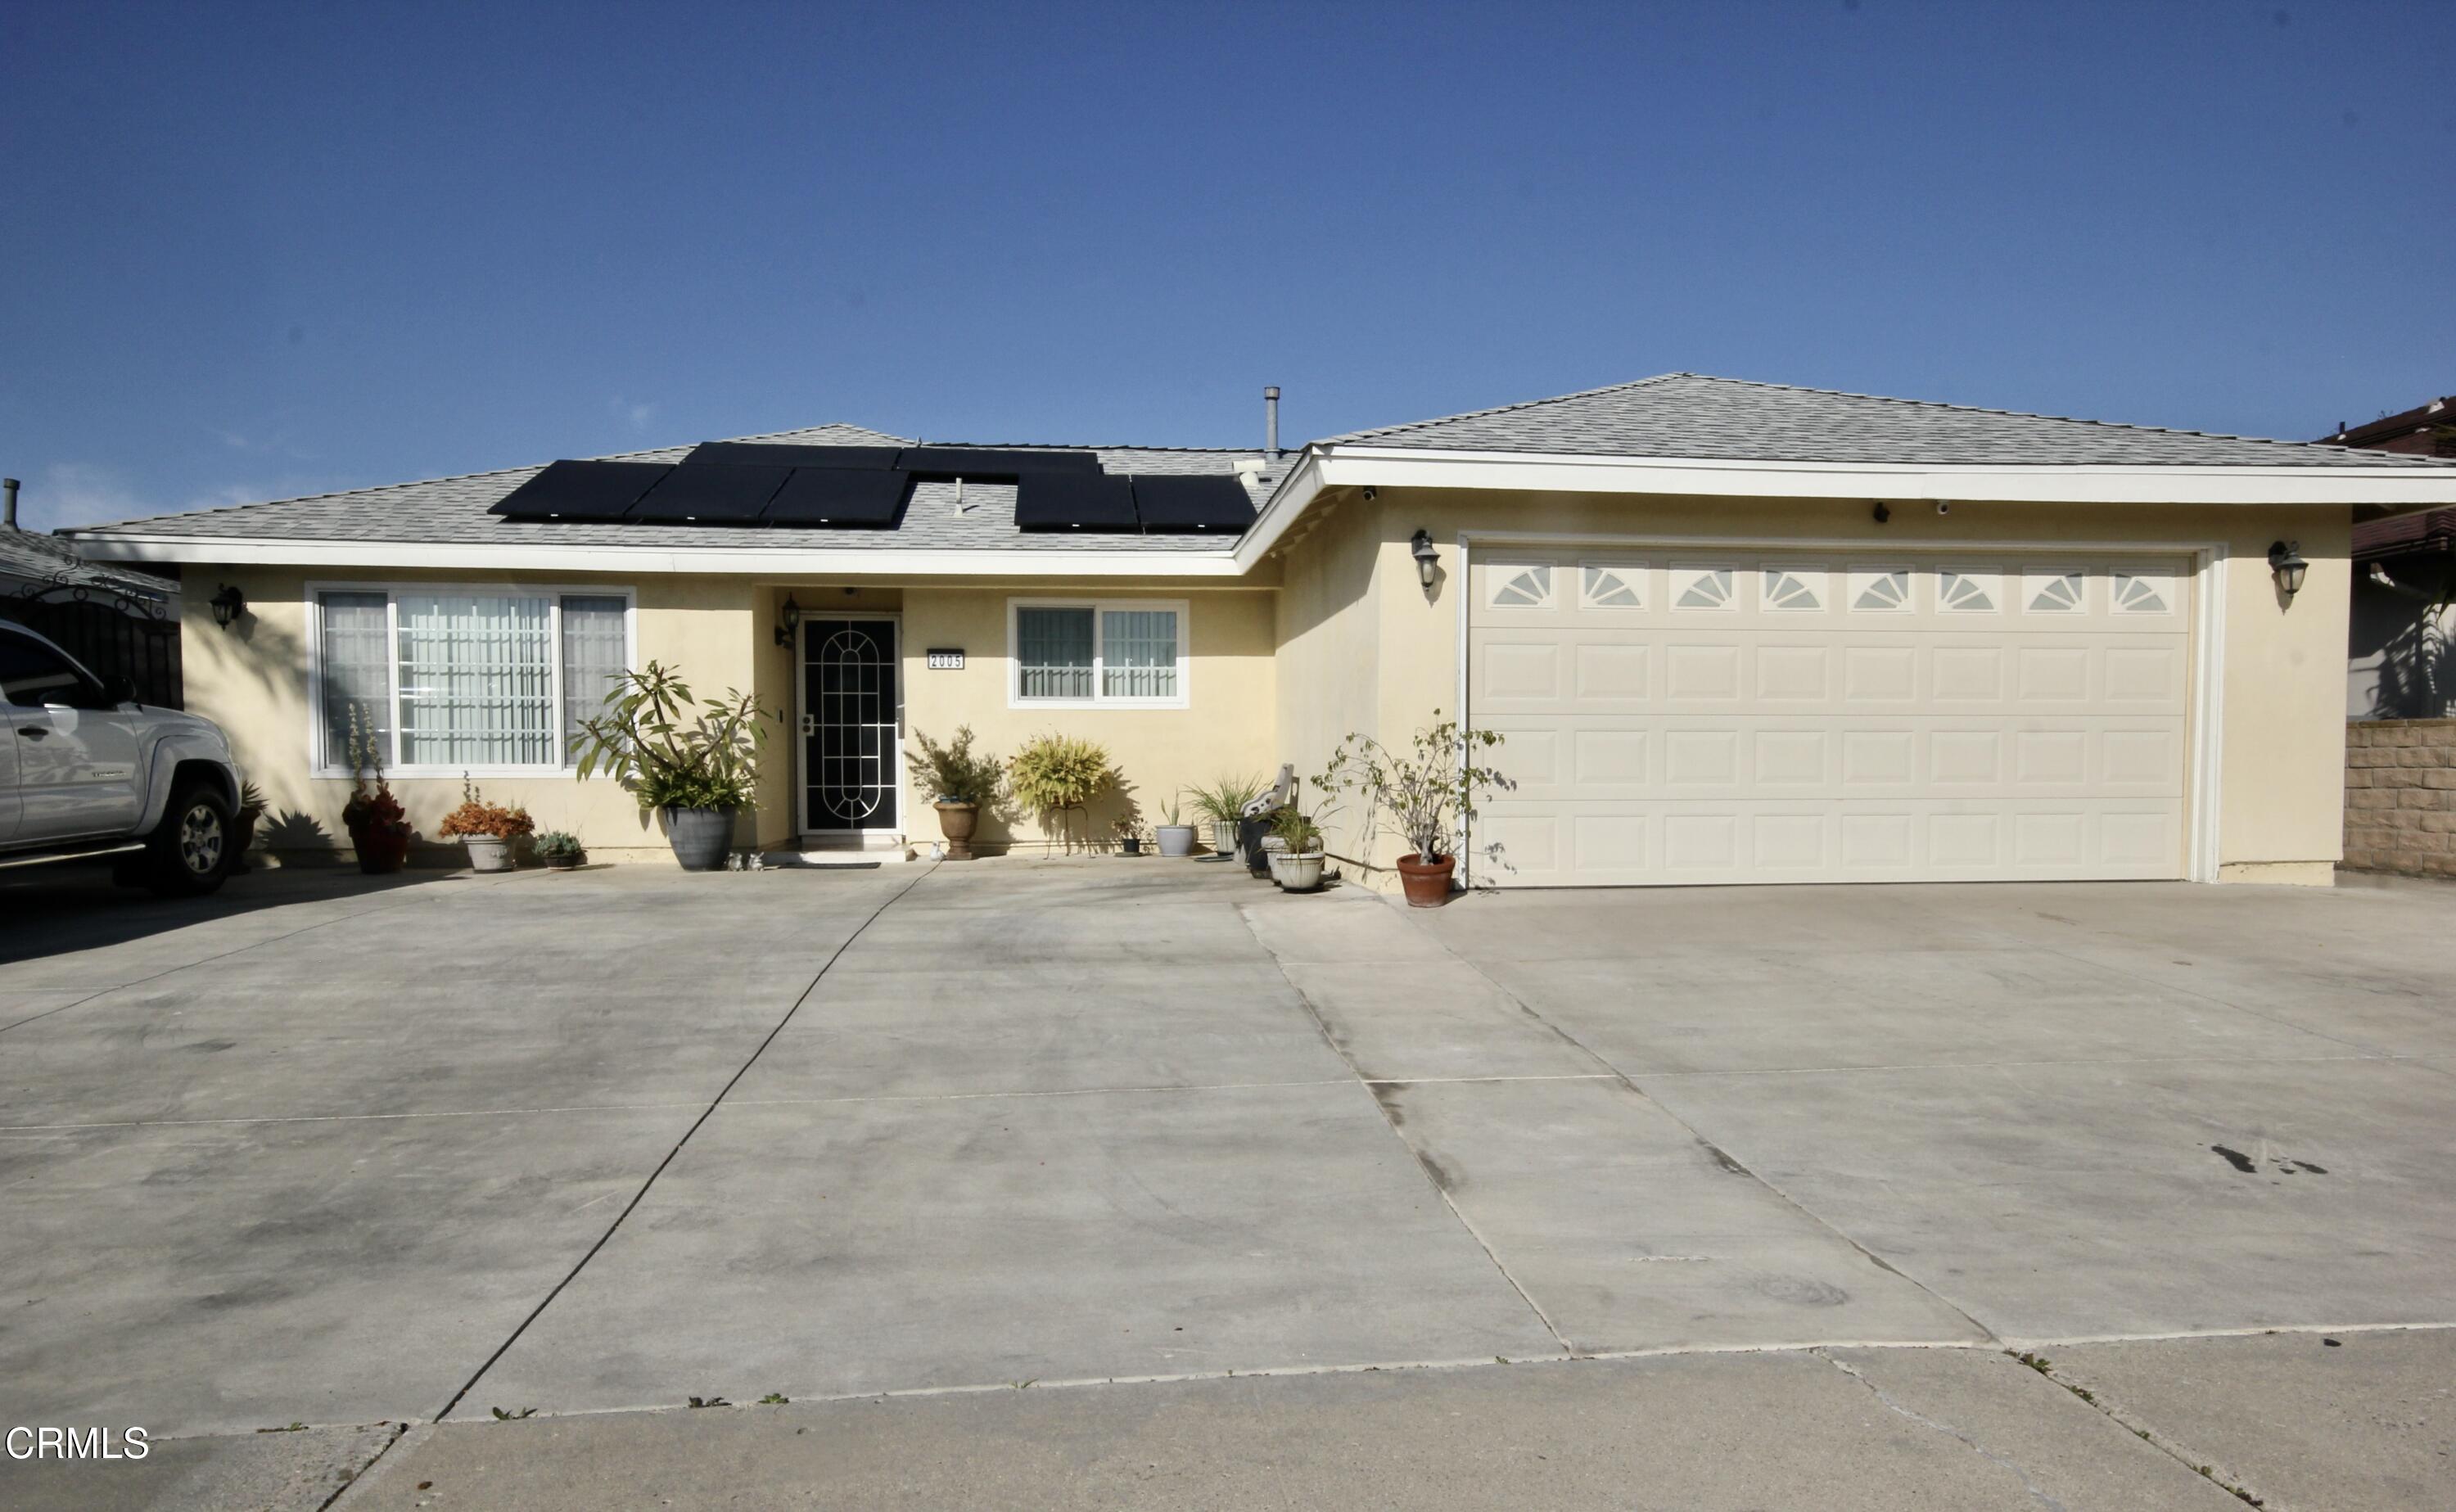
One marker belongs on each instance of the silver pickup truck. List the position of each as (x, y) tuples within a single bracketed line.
[(86, 770)]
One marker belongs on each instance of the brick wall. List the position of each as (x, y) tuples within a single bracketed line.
[(2401, 796)]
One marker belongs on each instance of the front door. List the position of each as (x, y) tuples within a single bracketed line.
[(849, 727)]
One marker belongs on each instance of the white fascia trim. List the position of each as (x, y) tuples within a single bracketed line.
[(627, 561), (2392, 488)]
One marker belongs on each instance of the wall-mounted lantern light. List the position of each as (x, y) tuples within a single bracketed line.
[(1427, 559), (788, 619), (2286, 562), (228, 606)]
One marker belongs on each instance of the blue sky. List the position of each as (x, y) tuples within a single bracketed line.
[(251, 252)]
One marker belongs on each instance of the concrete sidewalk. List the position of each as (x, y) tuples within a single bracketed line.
[(2283, 1420)]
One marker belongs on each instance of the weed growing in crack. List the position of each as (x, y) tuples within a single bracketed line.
[(501, 1416), (775, 1399)]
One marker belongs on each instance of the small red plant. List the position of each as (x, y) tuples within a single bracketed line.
[(477, 817)]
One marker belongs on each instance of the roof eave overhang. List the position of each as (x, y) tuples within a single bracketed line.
[(531, 556), (2393, 490)]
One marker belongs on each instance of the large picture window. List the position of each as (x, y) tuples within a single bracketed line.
[(1129, 653), (445, 680)]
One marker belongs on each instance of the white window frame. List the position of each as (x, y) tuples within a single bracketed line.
[(554, 593), (1100, 609)]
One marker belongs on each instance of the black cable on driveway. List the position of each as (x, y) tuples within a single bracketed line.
[(706, 1114)]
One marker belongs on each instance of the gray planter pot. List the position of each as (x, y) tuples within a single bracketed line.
[(1296, 873), (701, 837), (1176, 840), (1224, 836), (488, 853)]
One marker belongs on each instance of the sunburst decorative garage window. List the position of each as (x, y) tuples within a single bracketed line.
[(2055, 593), (1520, 587), (1792, 592), (1620, 585), (1884, 590), (1702, 588), (2142, 595), (1966, 592)]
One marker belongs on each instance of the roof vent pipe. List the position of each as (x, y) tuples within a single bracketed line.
[(8, 512), (1271, 421)]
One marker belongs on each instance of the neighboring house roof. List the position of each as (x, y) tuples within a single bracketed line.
[(2427, 429), (453, 510), (1687, 415), (29, 557)]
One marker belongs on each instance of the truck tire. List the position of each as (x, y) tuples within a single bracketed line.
[(188, 854)]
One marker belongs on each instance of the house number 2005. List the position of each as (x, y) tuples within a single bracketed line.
[(945, 659)]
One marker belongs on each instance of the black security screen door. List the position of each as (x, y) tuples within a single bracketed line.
[(848, 722)]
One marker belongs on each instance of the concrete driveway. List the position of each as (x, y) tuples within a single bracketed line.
[(330, 1152)]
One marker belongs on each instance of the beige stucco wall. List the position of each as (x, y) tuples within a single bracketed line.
[(1365, 648), (720, 632), (1227, 728), (251, 679)]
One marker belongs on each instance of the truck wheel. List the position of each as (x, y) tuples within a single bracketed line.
[(188, 854)]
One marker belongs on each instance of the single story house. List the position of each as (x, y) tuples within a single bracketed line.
[(1732, 632)]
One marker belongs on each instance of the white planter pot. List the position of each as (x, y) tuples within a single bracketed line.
[(488, 853), (1176, 840), (1297, 873), (1224, 836)]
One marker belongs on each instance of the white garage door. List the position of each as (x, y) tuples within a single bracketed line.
[(1693, 717)]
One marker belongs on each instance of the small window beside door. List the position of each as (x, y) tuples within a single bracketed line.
[(1128, 654)]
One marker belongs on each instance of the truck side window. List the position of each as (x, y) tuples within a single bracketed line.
[(32, 677)]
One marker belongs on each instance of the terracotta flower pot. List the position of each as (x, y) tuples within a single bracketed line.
[(1427, 883), (957, 822)]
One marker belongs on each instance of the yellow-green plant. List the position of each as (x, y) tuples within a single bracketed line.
[(1059, 774)]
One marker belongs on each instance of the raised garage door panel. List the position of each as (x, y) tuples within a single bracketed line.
[(1679, 717)]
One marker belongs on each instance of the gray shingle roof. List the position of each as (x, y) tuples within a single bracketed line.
[(1692, 416), (454, 510)]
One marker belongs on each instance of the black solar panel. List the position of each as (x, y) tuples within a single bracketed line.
[(584, 491), (838, 496), (994, 461), (779, 454), (1206, 503), (1095, 501), (710, 494)]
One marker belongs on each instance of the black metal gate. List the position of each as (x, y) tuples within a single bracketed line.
[(96, 632), (849, 724)]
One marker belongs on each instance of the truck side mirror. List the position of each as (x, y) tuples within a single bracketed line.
[(117, 691)]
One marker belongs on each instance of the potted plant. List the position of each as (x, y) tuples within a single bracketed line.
[(1130, 837), (1222, 802), (1296, 863), (488, 829), (959, 786), (560, 851), (1058, 774), (694, 761), (1425, 798), (1174, 835), (379, 826)]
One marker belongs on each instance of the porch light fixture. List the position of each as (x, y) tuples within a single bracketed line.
[(228, 606), (788, 619), (2286, 562), (1427, 559)]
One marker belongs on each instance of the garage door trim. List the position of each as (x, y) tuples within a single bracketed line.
[(2204, 708)]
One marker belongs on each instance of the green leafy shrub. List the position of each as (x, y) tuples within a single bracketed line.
[(951, 774), (552, 843), (1302, 835), (1059, 774), (672, 749)]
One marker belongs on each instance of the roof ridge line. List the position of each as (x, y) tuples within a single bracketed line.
[(1522, 405)]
